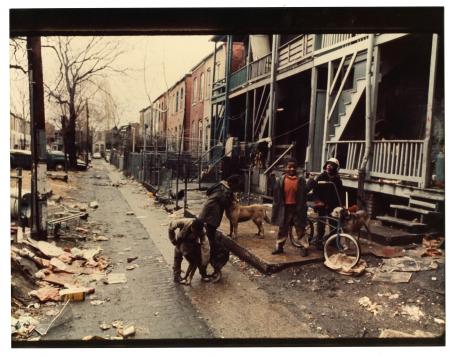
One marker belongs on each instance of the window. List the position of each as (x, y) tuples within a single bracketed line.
[(181, 98), (208, 83), (202, 86), (194, 92)]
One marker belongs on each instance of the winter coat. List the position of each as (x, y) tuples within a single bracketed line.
[(185, 235), (326, 193), (278, 206), (219, 197)]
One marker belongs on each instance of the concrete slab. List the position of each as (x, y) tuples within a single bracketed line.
[(257, 251)]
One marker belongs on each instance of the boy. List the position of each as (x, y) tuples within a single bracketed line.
[(289, 206)]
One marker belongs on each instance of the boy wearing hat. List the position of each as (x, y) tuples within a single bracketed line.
[(326, 194)]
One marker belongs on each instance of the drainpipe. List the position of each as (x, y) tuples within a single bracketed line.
[(368, 124)]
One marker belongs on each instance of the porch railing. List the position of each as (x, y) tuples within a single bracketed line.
[(295, 50), (238, 78), (392, 159), (338, 39), (254, 70)]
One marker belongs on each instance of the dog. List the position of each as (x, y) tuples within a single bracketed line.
[(191, 251), (237, 213), (352, 219)]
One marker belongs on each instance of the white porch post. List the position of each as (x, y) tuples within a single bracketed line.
[(426, 167)]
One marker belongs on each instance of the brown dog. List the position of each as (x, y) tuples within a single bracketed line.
[(237, 213), (352, 222)]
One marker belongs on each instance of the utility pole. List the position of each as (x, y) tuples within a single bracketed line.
[(38, 142), (87, 133), (64, 134)]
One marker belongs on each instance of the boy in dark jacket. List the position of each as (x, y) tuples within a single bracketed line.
[(219, 197), (326, 194), (289, 206)]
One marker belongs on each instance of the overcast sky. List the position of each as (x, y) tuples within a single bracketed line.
[(166, 59)]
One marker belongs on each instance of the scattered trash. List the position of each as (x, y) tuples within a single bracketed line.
[(97, 302), (48, 249), (392, 277), (414, 313), (388, 333), (74, 294), (432, 243), (46, 293), (127, 331), (116, 278), (341, 263), (439, 321), (408, 264), (93, 204), (130, 213), (100, 238), (131, 267), (433, 278), (93, 338), (117, 324), (63, 316), (156, 313), (369, 305), (130, 259), (105, 326)]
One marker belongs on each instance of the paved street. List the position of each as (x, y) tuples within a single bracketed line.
[(149, 300)]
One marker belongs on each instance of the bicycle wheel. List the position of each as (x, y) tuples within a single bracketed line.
[(342, 246), (308, 234)]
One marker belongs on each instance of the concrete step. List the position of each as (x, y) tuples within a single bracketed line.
[(428, 196), (413, 209), (390, 236), (412, 227)]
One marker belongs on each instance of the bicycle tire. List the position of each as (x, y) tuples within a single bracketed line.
[(309, 231), (342, 243)]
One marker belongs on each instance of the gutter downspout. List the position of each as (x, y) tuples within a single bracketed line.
[(368, 124)]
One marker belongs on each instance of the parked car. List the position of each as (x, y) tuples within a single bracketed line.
[(97, 155), (55, 160)]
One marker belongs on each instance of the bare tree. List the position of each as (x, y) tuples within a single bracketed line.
[(81, 63)]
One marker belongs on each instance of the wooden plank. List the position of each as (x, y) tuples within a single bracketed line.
[(412, 209), (337, 73), (431, 205), (419, 165), (400, 164), (400, 221), (415, 160)]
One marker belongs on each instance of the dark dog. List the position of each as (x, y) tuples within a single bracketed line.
[(219, 257), (237, 213), (192, 253), (352, 222)]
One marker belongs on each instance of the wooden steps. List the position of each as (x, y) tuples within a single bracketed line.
[(410, 226)]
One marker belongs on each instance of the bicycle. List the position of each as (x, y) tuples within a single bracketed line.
[(336, 241)]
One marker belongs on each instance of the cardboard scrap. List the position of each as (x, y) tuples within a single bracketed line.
[(392, 277), (408, 264), (341, 264), (48, 249), (46, 293), (116, 278)]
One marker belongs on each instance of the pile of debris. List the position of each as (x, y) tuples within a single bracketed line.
[(44, 274)]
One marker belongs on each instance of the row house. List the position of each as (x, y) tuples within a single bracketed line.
[(373, 101), (20, 137)]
